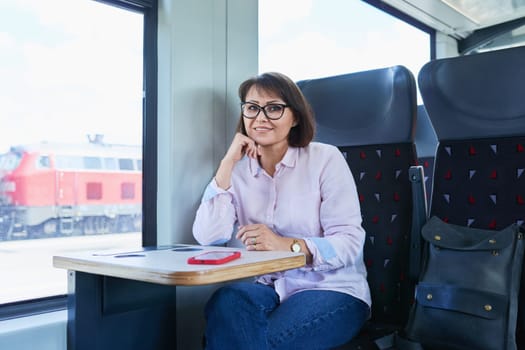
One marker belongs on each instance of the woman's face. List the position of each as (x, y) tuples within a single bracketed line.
[(267, 132)]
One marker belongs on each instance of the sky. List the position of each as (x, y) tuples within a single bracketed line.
[(317, 38), (64, 76)]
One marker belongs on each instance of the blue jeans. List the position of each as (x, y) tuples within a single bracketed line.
[(244, 316)]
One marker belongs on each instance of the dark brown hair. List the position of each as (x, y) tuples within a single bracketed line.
[(301, 134)]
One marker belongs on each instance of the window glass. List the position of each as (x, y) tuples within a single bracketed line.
[(43, 162), (72, 70), (125, 164), (317, 38), (110, 164), (9, 161), (92, 163), (68, 162)]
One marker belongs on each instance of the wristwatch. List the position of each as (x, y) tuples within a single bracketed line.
[(295, 247)]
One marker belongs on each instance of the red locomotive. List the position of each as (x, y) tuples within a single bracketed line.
[(51, 189)]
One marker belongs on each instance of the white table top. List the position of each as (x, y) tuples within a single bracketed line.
[(168, 265)]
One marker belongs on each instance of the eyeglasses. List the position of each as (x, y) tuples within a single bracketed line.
[(272, 111)]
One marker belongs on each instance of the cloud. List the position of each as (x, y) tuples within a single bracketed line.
[(6, 42), (279, 13)]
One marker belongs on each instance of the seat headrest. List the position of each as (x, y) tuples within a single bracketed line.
[(476, 96), (364, 108)]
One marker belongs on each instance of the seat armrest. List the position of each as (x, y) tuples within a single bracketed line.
[(419, 217)]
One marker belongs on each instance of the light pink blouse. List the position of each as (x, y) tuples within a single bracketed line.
[(312, 195)]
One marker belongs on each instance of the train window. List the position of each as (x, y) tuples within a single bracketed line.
[(139, 164), (43, 162), (68, 162), (70, 69), (110, 164), (10, 161), (126, 164), (316, 38), (92, 163)]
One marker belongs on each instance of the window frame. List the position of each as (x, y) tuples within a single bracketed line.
[(149, 9)]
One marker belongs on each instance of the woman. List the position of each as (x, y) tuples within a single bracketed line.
[(283, 192)]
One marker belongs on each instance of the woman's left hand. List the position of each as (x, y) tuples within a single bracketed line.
[(260, 237)]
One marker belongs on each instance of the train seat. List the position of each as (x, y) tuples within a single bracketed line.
[(477, 107), (370, 116)]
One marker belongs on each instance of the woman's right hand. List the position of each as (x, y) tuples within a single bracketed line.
[(240, 146)]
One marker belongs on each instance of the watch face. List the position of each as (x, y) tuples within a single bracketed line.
[(296, 247)]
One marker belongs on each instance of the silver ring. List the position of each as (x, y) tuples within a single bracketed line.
[(254, 240)]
